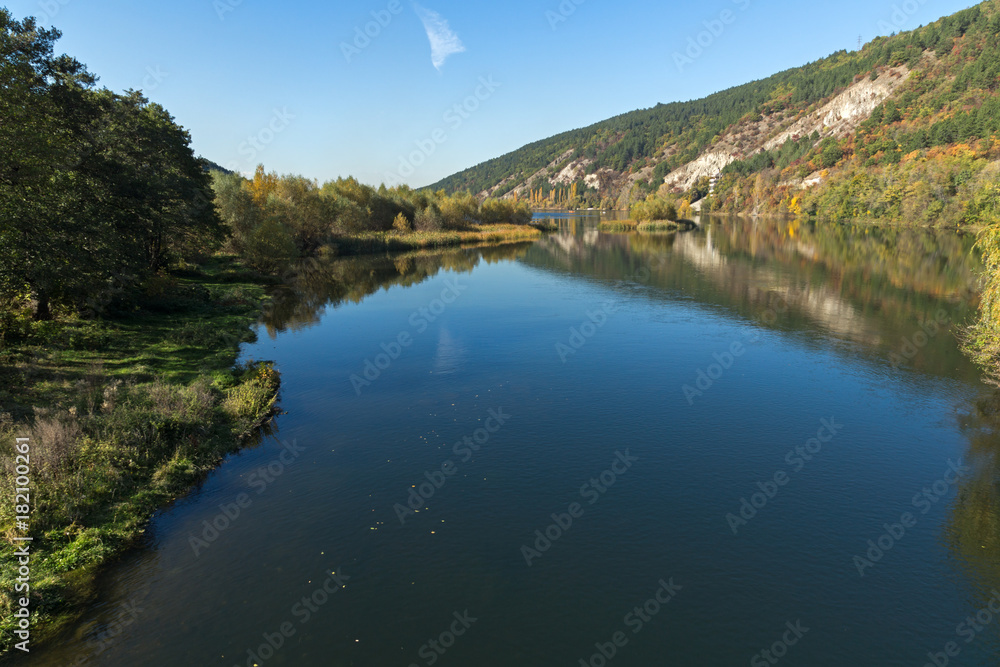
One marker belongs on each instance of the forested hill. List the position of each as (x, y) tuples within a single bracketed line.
[(937, 84), (685, 128)]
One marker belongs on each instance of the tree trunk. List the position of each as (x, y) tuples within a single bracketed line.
[(42, 310)]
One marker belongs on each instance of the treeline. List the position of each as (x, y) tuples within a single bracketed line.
[(101, 192), (97, 190), (274, 219)]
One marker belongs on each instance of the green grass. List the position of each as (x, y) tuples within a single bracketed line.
[(618, 226), (124, 415), (659, 226)]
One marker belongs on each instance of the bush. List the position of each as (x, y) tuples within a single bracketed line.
[(249, 402), (458, 212), (504, 211), (429, 220), (270, 248), (402, 224), (654, 208)]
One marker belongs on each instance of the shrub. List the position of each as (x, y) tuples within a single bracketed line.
[(55, 440), (253, 398), (654, 208), (429, 220), (402, 224), (504, 211), (270, 248)]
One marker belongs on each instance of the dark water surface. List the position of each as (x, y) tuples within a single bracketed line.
[(801, 387)]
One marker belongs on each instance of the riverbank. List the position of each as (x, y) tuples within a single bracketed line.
[(122, 416)]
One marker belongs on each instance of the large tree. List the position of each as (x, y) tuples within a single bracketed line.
[(97, 189)]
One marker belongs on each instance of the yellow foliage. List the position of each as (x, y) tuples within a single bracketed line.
[(795, 207), (262, 185)]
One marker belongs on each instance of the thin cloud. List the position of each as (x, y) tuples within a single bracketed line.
[(444, 42)]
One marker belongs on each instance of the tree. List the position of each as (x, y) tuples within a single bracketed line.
[(97, 190), (37, 137)]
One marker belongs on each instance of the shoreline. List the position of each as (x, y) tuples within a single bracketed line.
[(60, 596), (172, 375)]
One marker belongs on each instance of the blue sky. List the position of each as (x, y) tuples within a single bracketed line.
[(272, 82)]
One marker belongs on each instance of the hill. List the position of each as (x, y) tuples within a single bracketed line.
[(918, 108)]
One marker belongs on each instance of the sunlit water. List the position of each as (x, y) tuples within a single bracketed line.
[(705, 429)]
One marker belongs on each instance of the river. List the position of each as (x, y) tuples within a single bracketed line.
[(747, 443)]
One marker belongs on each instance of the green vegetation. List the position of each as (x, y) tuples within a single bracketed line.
[(123, 415), (655, 208), (983, 339), (659, 226), (374, 242), (926, 156), (276, 219), (130, 273), (98, 191), (619, 226), (670, 135)]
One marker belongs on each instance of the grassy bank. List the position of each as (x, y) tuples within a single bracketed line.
[(619, 226), (371, 242), (123, 415), (659, 226)]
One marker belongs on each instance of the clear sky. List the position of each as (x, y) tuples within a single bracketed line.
[(292, 85)]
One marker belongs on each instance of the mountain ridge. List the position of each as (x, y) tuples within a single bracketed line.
[(808, 125)]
